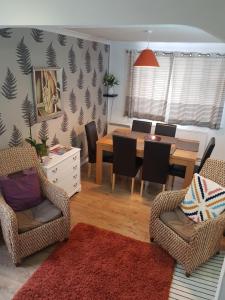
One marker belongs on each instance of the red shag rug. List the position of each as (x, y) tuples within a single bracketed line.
[(97, 264)]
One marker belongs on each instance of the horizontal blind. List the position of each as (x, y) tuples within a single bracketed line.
[(197, 91), (148, 89)]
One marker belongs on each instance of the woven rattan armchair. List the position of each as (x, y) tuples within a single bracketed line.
[(21, 245), (207, 235)]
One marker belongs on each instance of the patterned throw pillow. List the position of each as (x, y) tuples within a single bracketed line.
[(204, 200)]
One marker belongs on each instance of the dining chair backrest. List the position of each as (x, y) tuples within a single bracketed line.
[(141, 126), (124, 155), (208, 152), (92, 137), (165, 129), (156, 161)]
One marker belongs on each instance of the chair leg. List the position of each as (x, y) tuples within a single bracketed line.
[(89, 170), (132, 185), (152, 239), (18, 264), (187, 274), (172, 184), (113, 181), (111, 172), (142, 186)]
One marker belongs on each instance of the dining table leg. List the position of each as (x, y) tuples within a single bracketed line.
[(188, 174), (99, 154)]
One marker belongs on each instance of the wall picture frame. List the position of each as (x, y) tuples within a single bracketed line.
[(47, 89)]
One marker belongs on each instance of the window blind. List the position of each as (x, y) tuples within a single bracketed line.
[(147, 89), (187, 89), (197, 91)]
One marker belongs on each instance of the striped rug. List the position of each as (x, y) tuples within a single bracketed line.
[(201, 285)]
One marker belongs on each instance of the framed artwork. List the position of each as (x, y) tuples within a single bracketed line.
[(47, 86)]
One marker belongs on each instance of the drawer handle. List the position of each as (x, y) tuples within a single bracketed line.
[(55, 170), (55, 180), (75, 167), (75, 185), (75, 176), (75, 157)]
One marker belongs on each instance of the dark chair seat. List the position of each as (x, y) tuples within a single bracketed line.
[(179, 223), (165, 129), (179, 171), (141, 126), (155, 163), (125, 162), (139, 162), (108, 156), (92, 138), (36, 216)]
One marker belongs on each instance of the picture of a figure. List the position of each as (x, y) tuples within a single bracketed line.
[(47, 92)]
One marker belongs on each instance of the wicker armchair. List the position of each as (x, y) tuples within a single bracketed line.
[(206, 237), (21, 245)]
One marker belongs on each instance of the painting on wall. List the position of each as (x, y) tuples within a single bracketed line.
[(47, 85)]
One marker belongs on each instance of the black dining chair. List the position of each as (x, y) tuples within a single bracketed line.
[(179, 171), (141, 126), (165, 129), (155, 163), (125, 161), (92, 138)]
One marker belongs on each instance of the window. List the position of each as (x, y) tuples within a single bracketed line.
[(187, 89), (148, 89)]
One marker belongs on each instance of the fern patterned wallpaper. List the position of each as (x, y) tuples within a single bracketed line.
[(83, 64)]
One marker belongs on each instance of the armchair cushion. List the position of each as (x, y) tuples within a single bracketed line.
[(204, 200), (21, 190), (179, 223), (37, 216)]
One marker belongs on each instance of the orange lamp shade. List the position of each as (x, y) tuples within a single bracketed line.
[(146, 59)]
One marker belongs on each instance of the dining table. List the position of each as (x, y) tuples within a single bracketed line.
[(184, 152)]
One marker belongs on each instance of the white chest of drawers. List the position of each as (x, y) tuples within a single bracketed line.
[(64, 170)]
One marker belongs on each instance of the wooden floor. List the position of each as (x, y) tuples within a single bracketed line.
[(96, 205)]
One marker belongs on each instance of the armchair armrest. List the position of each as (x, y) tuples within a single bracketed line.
[(56, 195), (209, 233), (167, 201), (8, 223)]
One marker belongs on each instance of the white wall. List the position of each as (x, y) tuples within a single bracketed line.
[(118, 67)]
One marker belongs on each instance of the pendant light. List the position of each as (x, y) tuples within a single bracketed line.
[(147, 57)]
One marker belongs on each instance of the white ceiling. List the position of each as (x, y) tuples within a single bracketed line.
[(205, 15), (159, 33)]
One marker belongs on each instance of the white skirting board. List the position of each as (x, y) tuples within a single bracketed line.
[(201, 285)]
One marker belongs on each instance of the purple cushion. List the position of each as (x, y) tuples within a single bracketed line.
[(21, 190)]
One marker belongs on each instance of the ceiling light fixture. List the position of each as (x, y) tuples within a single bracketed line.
[(147, 57)]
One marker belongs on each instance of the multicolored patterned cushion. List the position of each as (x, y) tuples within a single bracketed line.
[(204, 200)]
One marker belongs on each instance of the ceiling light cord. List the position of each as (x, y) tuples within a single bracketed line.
[(148, 35), (147, 57)]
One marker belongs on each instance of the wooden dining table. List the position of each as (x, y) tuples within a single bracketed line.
[(183, 152)]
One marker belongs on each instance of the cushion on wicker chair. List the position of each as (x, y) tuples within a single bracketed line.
[(204, 200), (37, 216), (179, 223), (21, 190)]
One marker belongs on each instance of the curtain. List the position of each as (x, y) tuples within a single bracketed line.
[(197, 90), (187, 89), (147, 88)]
